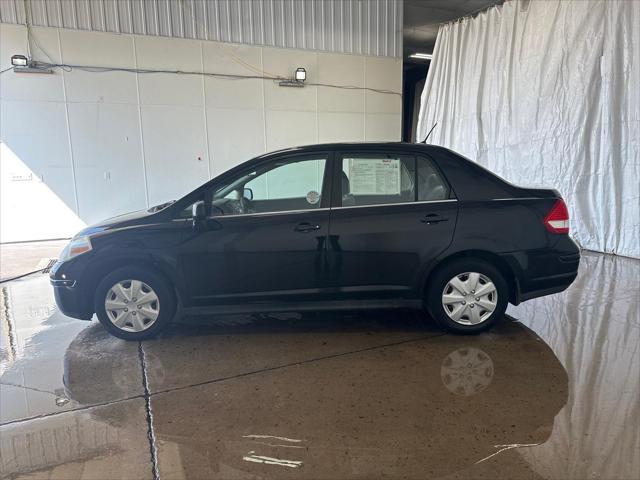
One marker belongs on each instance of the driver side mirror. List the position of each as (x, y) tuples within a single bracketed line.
[(198, 215), (247, 193), (197, 211)]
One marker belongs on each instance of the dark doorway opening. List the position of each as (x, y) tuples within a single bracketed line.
[(413, 79)]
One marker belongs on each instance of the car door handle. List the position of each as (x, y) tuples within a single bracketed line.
[(305, 227), (433, 218)]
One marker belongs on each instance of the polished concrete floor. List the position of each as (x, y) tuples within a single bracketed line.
[(552, 393)]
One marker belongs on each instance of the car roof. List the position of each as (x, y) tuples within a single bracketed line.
[(320, 147), (351, 146), (332, 147)]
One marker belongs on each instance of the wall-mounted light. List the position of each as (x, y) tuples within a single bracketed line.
[(19, 61), (22, 64), (298, 79), (421, 56), (301, 74)]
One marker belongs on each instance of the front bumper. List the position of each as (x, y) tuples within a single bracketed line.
[(69, 295), (70, 302)]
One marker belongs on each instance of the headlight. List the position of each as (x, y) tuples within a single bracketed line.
[(77, 246)]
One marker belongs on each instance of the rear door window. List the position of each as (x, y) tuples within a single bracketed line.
[(377, 179), (387, 179)]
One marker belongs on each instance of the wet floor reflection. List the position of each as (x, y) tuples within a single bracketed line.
[(35, 343), (348, 399), (422, 408), (594, 329), (228, 346), (357, 395), (98, 443)]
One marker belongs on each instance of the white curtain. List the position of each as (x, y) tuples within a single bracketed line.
[(548, 93)]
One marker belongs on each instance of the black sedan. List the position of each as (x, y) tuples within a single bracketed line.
[(337, 226)]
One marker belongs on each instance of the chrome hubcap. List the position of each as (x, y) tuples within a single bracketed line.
[(132, 305), (469, 298)]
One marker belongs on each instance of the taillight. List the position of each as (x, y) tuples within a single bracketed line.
[(557, 220)]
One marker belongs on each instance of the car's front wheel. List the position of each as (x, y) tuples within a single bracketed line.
[(133, 303), (467, 296)]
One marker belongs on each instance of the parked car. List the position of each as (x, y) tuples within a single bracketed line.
[(337, 226)]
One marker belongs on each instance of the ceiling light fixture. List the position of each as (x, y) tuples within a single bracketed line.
[(422, 56)]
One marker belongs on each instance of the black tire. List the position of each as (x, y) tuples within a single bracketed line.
[(440, 279), (162, 288)]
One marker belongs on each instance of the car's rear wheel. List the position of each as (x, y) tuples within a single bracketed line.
[(133, 303), (467, 296)]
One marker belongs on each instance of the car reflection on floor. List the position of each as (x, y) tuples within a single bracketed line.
[(349, 395), (334, 401)]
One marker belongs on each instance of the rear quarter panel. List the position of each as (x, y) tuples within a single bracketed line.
[(503, 219)]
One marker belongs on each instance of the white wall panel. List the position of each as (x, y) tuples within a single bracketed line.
[(169, 54), (340, 70), (382, 127), (235, 135), (175, 150), (286, 128), (37, 193), (83, 48), (106, 153), (234, 60), (380, 74), (340, 127), (41, 141), (134, 139)]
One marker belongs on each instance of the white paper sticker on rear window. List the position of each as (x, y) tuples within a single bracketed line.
[(379, 176)]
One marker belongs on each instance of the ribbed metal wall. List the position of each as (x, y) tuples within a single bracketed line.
[(365, 27)]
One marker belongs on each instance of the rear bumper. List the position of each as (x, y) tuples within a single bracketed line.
[(549, 286), (545, 272)]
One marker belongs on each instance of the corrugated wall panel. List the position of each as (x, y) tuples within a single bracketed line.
[(366, 27)]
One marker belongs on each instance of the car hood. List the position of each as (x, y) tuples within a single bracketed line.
[(123, 220)]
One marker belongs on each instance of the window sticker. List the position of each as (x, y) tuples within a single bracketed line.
[(374, 176), (313, 197)]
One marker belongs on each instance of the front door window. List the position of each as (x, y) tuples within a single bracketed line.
[(285, 185)]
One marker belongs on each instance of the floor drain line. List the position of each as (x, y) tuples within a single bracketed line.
[(147, 405)]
